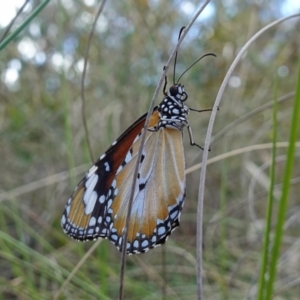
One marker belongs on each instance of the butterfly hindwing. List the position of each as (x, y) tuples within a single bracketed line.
[(159, 191)]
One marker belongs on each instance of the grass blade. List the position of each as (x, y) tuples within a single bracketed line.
[(6, 41), (265, 251)]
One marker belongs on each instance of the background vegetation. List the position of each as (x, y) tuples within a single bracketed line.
[(44, 153)]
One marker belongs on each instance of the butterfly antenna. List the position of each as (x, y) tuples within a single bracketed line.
[(175, 60), (165, 85), (207, 54)]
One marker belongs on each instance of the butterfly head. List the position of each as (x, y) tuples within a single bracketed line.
[(177, 91)]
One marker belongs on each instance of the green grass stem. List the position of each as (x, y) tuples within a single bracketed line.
[(6, 41), (270, 204)]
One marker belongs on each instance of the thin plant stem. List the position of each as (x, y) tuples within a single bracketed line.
[(265, 252), (86, 54), (7, 40), (5, 33)]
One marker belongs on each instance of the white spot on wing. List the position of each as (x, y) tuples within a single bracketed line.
[(107, 168), (171, 207), (92, 221), (174, 214), (90, 204), (68, 210), (145, 244), (102, 199), (114, 237), (109, 203), (128, 157), (158, 221), (102, 156), (91, 171), (114, 184), (90, 185), (161, 230)]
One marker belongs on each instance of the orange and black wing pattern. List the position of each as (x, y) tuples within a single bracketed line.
[(99, 204)]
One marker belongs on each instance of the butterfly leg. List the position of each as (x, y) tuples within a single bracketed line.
[(192, 143), (190, 131), (202, 110)]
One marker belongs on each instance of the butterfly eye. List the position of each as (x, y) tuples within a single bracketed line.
[(173, 90)]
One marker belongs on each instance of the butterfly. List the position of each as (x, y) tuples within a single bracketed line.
[(99, 204)]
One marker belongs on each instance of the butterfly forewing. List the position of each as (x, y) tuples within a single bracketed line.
[(85, 215)]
